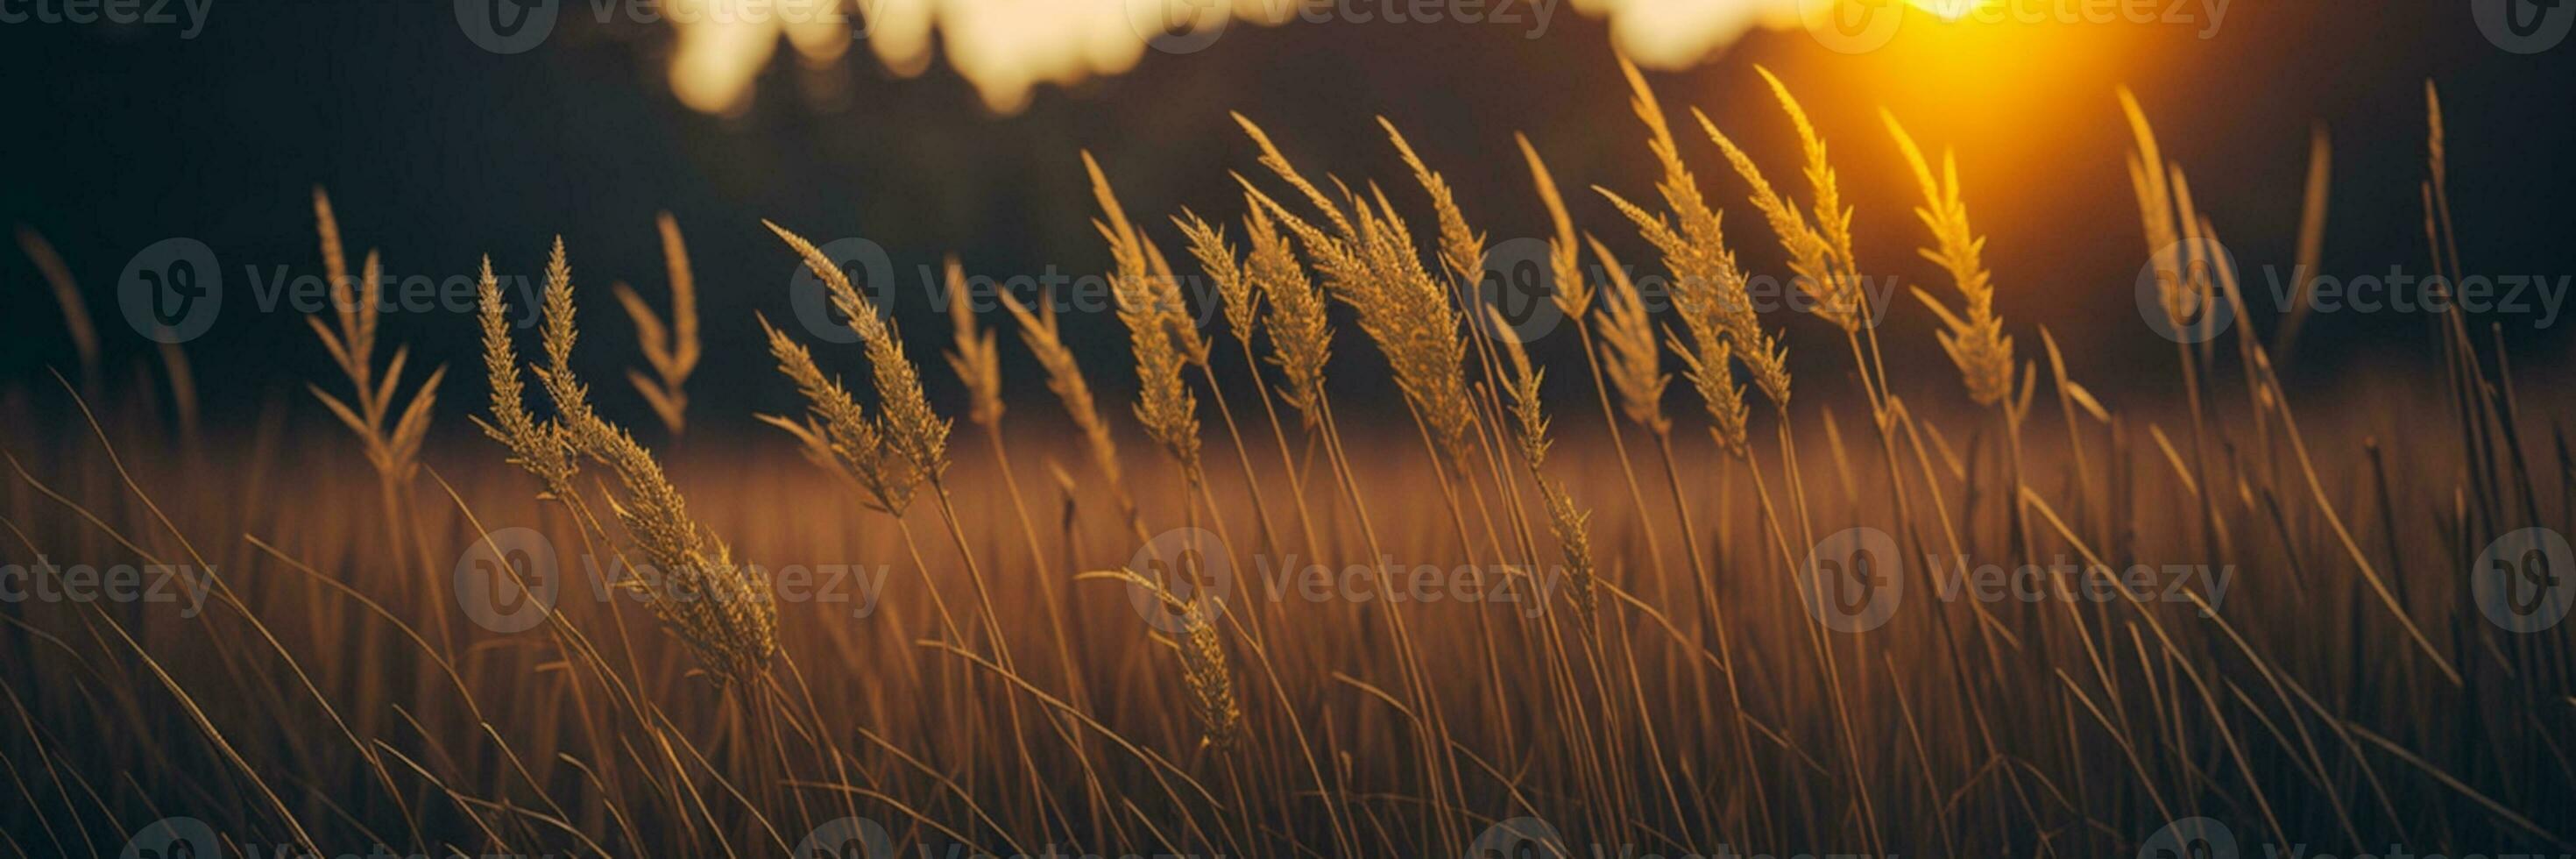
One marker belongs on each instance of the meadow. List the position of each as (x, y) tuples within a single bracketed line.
[(1664, 600)]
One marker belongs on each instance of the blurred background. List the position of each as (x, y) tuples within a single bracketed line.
[(951, 126)]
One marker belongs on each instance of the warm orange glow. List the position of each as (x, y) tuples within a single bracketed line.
[(1951, 10)]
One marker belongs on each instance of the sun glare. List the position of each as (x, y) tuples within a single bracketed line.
[(1950, 10)]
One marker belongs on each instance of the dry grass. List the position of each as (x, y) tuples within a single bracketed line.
[(2342, 691)]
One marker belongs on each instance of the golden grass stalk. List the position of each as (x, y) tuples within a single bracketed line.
[(909, 426), (722, 612), (1206, 676), (1216, 256), (838, 435), (1635, 363), (1369, 262), (2312, 237), (1301, 334), (536, 446), (1704, 363), (1573, 294), (1810, 255), (1707, 284), (394, 451), (975, 356), (671, 350), (1039, 330), (1210, 680), (1152, 313), (1571, 525), (1975, 340)]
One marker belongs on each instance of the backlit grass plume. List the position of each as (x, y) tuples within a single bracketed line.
[(1216, 256), (671, 350), (907, 424), (1207, 679), (837, 434), (1301, 335), (1975, 339), (1572, 293), (1038, 329), (975, 357), (1708, 287), (1571, 524), (1820, 251), (1150, 306), (722, 612), (394, 450), (1632, 359), (1369, 262)]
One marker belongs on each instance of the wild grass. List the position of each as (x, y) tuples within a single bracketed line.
[(2342, 693)]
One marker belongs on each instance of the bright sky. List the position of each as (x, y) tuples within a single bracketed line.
[(1006, 48)]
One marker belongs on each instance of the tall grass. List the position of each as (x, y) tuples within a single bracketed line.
[(2342, 691)]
